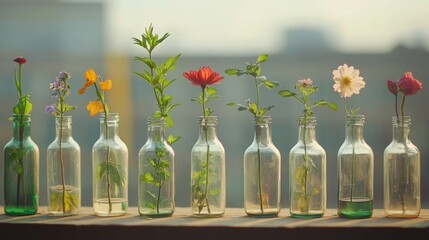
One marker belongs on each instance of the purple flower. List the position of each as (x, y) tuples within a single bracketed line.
[(51, 109)]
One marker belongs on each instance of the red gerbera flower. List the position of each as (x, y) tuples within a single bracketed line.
[(204, 77)]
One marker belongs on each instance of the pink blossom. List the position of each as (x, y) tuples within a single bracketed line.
[(408, 85), (393, 88)]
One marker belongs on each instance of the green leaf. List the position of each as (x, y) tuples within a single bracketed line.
[(286, 93), (231, 104), (332, 106), (270, 84), (262, 58), (253, 108), (231, 71), (149, 178), (242, 108), (146, 60), (24, 106), (171, 139), (170, 63)]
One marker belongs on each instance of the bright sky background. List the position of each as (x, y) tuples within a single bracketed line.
[(255, 26)]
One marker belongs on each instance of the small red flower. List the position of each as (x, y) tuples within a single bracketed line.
[(408, 85), (393, 88), (204, 77), (20, 60)]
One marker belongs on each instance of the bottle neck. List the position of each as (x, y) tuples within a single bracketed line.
[(262, 130), (307, 129), (63, 129), (156, 129), (207, 128), (401, 128), (354, 127), (21, 126), (109, 126)]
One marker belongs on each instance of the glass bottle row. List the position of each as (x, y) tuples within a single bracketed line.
[(262, 164)]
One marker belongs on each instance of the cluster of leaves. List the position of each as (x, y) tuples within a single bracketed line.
[(161, 174), (209, 94), (305, 98), (199, 193), (116, 173), (254, 70), (157, 76)]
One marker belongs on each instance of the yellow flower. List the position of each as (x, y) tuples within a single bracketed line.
[(91, 78), (95, 107), (347, 81), (106, 85)]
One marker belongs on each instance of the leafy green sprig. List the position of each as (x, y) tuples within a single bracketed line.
[(254, 70), (157, 76)]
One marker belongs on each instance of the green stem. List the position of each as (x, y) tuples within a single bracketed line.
[(402, 105), (353, 167), (306, 164), (106, 129), (208, 150), (158, 199), (260, 176), (61, 157)]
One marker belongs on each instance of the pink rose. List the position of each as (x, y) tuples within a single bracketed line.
[(393, 88), (408, 85)]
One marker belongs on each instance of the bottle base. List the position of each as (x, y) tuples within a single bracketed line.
[(356, 209), (309, 215), (267, 213)]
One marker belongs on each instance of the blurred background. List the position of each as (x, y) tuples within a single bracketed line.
[(304, 39)]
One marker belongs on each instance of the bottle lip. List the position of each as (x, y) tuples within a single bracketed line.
[(401, 120), (155, 120), (26, 117), (355, 119), (110, 116), (309, 121), (208, 120), (66, 119), (266, 119)]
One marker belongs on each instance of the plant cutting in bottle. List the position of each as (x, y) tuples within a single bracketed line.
[(60, 89), (306, 88), (255, 108), (110, 168), (348, 82), (408, 86), (204, 77), (157, 79), (23, 107)]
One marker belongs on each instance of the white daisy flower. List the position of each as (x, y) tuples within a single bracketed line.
[(347, 81)]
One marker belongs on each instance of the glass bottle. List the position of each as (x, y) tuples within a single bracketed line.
[(307, 173), (156, 173), (63, 171), (401, 173), (208, 188), (110, 169), (262, 165), (21, 170), (355, 172)]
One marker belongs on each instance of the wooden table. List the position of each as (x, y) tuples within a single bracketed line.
[(235, 224)]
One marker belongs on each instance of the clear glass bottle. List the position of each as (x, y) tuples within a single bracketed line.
[(21, 170), (307, 173), (110, 169), (355, 172), (63, 171), (208, 186), (156, 187), (262, 165), (401, 173)]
